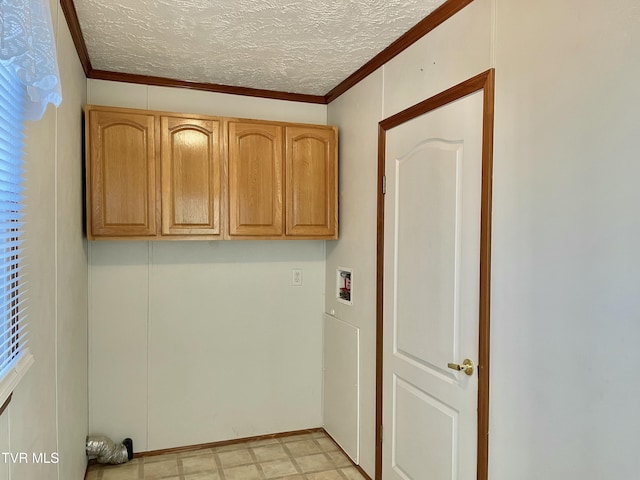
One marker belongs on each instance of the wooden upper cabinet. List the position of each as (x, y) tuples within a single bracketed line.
[(255, 179), (161, 175), (311, 182), (121, 174), (191, 176)]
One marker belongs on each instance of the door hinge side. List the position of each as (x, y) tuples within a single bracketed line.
[(384, 184), (381, 432)]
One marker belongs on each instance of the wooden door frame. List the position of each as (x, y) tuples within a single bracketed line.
[(486, 82)]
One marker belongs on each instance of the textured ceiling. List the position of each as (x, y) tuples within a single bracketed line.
[(298, 46)]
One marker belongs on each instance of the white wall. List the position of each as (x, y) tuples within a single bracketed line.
[(356, 113), (565, 297), (71, 264), (48, 412), (453, 52), (194, 342)]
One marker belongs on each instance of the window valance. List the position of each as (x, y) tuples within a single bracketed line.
[(27, 45)]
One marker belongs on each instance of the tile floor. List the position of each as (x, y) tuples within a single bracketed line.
[(308, 456)]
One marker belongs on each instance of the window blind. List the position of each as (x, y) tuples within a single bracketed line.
[(14, 358)]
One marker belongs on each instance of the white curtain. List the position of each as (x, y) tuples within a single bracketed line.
[(27, 45)]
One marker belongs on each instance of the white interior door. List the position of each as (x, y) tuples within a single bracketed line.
[(431, 293)]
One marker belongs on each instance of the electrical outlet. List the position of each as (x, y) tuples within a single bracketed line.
[(296, 277)]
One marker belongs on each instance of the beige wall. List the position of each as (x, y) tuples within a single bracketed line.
[(565, 301), (194, 342), (48, 412)]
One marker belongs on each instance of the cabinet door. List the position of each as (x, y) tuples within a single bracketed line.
[(311, 182), (255, 179), (121, 173), (191, 188)]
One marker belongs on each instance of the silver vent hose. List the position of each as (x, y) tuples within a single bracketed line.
[(105, 451)]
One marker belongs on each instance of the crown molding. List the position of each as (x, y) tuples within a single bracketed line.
[(207, 87), (71, 15)]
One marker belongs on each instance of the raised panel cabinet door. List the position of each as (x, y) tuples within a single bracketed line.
[(311, 182), (121, 174), (191, 170), (255, 179)]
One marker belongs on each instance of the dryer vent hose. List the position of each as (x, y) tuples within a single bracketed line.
[(105, 451)]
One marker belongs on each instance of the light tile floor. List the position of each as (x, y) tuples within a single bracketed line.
[(308, 456)]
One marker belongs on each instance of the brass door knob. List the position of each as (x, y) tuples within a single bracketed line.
[(466, 367)]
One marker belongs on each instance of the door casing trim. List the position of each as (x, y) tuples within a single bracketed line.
[(486, 82)]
